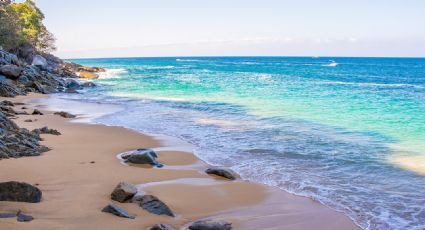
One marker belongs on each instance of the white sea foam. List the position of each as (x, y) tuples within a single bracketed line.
[(112, 73), (369, 84)]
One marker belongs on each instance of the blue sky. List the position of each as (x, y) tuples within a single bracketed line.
[(105, 28)]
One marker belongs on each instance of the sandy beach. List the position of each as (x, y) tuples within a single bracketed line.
[(79, 173)]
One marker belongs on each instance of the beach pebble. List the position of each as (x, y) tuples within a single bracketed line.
[(162, 227), (153, 205), (123, 192), (117, 211), (210, 225), (20, 192), (223, 172)]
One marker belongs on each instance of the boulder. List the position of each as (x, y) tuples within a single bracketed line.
[(72, 84), (7, 58), (20, 192), (39, 61), (65, 114), (46, 130), (7, 89), (210, 225), (37, 112), (87, 75), (117, 211), (142, 156), (123, 192), (21, 217), (153, 205), (11, 71), (223, 172), (162, 227)]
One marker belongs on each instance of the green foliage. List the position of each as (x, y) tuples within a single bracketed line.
[(24, 22)]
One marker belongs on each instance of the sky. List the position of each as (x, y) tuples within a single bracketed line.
[(141, 28)]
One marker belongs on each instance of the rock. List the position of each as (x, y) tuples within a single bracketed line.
[(23, 217), (65, 114), (39, 61), (11, 71), (7, 89), (123, 192), (7, 58), (162, 227), (153, 205), (89, 84), (20, 192), (6, 103), (37, 112), (223, 172), (8, 215), (117, 211), (88, 75), (72, 84), (46, 130), (28, 120), (142, 156), (210, 225), (138, 197)]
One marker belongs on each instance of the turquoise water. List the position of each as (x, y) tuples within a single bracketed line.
[(348, 132)]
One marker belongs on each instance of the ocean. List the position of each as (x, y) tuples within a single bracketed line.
[(347, 132)]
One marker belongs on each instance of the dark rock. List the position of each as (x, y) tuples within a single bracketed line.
[(28, 120), (162, 227), (46, 130), (88, 84), (6, 103), (20, 192), (210, 225), (65, 114), (37, 112), (123, 192), (39, 61), (21, 217), (72, 84), (153, 205), (142, 156), (7, 89), (8, 215), (11, 71), (117, 211), (223, 172), (7, 58)]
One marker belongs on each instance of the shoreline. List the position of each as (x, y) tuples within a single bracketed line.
[(66, 172)]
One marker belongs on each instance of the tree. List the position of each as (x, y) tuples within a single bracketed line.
[(24, 22)]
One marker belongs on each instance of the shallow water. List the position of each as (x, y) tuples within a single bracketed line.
[(350, 135)]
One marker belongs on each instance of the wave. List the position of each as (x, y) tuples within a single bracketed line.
[(368, 84), (112, 73)]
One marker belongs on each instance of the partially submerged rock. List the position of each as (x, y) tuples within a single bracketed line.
[(117, 211), (153, 205), (162, 227), (89, 75), (223, 172), (19, 192), (142, 156), (210, 225), (124, 192), (65, 114)]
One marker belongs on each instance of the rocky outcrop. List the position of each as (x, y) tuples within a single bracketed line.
[(20, 192), (117, 211), (11, 71), (142, 156), (16, 142), (65, 114), (162, 227), (39, 61), (222, 172), (124, 192), (210, 225), (153, 205), (8, 89), (83, 71)]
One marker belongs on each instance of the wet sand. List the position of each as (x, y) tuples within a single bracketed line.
[(79, 173)]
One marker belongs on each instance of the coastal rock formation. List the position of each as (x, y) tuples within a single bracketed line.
[(39, 61), (65, 114), (11, 71), (210, 225), (123, 192), (7, 89), (223, 172), (162, 227), (20, 192), (46, 130), (153, 205), (117, 211), (16, 142), (142, 156)]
